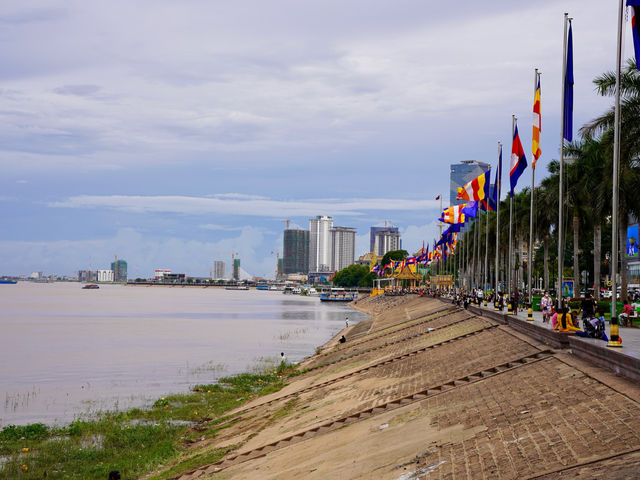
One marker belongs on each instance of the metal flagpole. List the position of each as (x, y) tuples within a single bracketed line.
[(560, 193), (615, 339), (509, 279), (531, 210), (499, 187), (486, 244)]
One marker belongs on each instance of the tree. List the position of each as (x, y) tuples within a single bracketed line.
[(393, 255), (354, 276), (629, 171)]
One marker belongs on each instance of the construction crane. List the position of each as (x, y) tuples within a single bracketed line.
[(287, 221), (277, 254)]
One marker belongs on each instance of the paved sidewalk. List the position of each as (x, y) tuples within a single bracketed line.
[(630, 335)]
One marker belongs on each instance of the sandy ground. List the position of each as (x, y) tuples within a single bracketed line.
[(425, 390)]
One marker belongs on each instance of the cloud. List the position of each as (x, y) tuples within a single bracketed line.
[(241, 205), (79, 90), (222, 228)]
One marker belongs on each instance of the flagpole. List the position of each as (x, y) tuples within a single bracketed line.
[(509, 279), (499, 187), (531, 209), (615, 339), (560, 193), (486, 244)]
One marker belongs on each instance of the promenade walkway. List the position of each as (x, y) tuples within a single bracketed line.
[(588, 347)]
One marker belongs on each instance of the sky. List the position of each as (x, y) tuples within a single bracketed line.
[(173, 133)]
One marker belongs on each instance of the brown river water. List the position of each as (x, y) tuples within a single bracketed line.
[(67, 352)]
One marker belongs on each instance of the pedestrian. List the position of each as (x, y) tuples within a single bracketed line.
[(114, 475), (283, 358), (347, 322), (545, 304)]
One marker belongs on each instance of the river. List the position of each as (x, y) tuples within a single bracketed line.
[(66, 352)]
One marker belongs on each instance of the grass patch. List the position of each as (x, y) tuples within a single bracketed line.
[(138, 441)]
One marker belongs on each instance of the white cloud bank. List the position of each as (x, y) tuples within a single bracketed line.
[(242, 205)]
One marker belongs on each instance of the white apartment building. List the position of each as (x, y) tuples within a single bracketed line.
[(386, 240), (105, 275), (343, 247), (320, 244), (219, 270)]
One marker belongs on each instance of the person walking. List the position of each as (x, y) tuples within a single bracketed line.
[(545, 305)]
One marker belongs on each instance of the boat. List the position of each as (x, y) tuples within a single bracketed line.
[(338, 296), (262, 287), (237, 287), (312, 292), (8, 282), (91, 286), (273, 287)]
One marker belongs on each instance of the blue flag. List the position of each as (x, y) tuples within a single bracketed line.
[(471, 210), (635, 28), (567, 108)]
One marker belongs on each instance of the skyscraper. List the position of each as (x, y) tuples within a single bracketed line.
[(295, 252), (343, 247), (119, 268), (236, 269), (385, 239), (219, 270), (462, 173), (320, 243)]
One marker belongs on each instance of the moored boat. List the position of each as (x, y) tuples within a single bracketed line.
[(91, 286), (8, 282)]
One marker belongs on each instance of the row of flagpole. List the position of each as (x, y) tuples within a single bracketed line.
[(478, 190)]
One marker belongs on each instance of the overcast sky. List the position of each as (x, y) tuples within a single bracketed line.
[(173, 132)]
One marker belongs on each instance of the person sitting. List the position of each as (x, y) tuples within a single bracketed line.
[(624, 316), (342, 339), (114, 475), (588, 307), (566, 322)]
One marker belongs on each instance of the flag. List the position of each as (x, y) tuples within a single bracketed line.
[(453, 214), (438, 197), (470, 209), (476, 189), (493, 199), (518, 160), (567, 108), (537, 126), (635, 28)]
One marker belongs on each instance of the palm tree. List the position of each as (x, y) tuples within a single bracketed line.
[(629, 172)]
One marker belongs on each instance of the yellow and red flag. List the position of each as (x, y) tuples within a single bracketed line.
[(476, 189), (537, 126)]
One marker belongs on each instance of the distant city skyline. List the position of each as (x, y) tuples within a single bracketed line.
[(176, 130)]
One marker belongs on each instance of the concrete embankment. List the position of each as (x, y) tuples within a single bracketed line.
[(426, 390)]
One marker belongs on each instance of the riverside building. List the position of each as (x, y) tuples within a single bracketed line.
[(385, 239), (462, 173), (295, 252), (343, 247), (320, 243), (219, 269)]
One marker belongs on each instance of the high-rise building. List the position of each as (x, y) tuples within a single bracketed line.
[(320, 244), (385, 239), (343, 247), (105, 275), (295, 252), (119, 268), (462, 173), (236, 269), (219, 270), (87, 276)]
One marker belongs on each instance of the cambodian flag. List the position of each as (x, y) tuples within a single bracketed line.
[(635, 28), (410, 261), (518, 160)]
